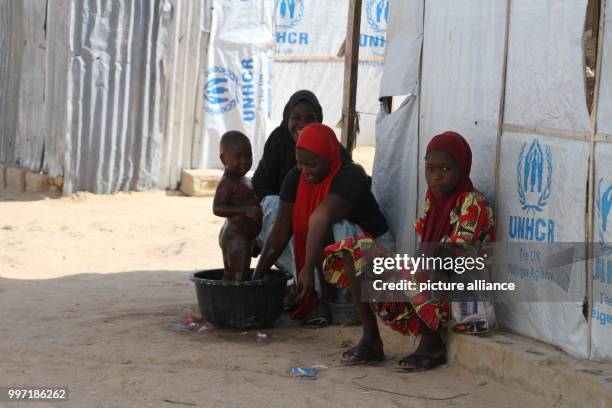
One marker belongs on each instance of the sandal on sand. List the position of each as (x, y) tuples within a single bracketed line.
[(361, 354), (316, 322), (320, 317), (421, 362)]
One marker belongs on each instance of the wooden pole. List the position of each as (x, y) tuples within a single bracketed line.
[(351, 60), (591, 191), (502, 102)]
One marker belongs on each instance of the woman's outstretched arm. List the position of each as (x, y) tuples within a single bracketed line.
[(277, 241), (331, 210)]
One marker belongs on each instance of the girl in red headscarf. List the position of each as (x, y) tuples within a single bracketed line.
[(321, 191), (454, 213)]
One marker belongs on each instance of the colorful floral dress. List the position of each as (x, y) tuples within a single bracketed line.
[(471, 222)]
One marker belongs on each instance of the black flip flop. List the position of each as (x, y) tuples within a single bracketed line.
[(362, 354), (421, 362)]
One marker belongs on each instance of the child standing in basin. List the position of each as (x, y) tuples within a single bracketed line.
[(236, 201)]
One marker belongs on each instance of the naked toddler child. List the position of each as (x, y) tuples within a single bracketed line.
[(236, 201)]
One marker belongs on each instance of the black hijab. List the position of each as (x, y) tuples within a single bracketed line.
[(279, 151), (299, 96)]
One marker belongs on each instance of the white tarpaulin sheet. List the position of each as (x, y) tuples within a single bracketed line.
[(238, 91), (309, 28), (394, 181), (395, 173), (403, 54), (318, 28), (539, 188), (545, 84), (325, 80), (308, 36), (601, 312), (462, 83)]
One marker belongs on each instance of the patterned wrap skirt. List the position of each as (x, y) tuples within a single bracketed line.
[(423, 309)]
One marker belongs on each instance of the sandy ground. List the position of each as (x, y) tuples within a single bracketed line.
[(88, 283)]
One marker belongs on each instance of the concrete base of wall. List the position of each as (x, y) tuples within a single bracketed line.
[(15, 178), (535, 367), (3, 168), (36, 182), (20, 180), (57, 181)]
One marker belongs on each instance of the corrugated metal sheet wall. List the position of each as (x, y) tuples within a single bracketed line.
[(33, 38), (10, 61), (187, 67), (133, 68), (105, 92)]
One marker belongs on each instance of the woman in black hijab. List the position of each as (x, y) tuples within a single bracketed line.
[(278, 158)]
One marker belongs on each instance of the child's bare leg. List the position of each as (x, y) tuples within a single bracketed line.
[(237, 251), (240, 258), (370, 338), (223, 251)]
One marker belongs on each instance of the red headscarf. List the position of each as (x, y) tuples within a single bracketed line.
[(437, 220), (320, 140)]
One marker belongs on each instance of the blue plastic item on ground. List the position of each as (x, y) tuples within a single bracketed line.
[(304, 372)]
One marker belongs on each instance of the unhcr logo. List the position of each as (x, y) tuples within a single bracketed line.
[(604, 205), (378, 14), (224, 90), (534, 171), (288, 13), (221, 90), (534, 177)]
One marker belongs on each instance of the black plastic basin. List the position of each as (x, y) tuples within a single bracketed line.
[(240, 305)]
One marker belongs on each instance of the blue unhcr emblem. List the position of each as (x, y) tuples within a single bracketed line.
[(604, 205), (288, 13), (220, 91), (534, 179), (378, 14)]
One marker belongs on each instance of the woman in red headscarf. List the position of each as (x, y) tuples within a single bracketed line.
[(322, 190), (454, 213)]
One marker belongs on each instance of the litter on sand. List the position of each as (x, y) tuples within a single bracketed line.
[(310, 373), (206, 327), (181, 328), (189, 325)]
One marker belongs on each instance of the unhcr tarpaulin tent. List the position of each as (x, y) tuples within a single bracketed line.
[(510, 76)]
